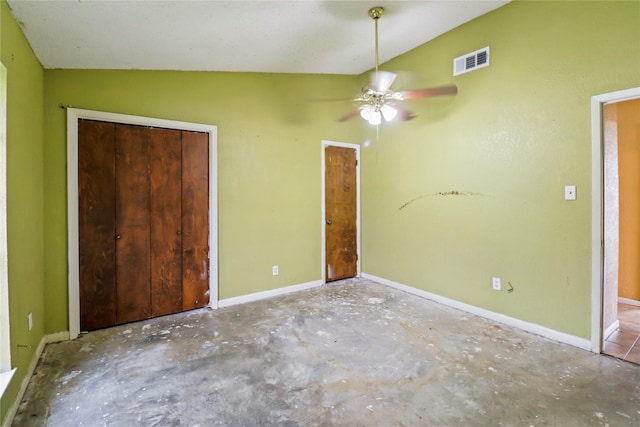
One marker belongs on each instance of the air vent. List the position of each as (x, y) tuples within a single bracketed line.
[(471, 61)]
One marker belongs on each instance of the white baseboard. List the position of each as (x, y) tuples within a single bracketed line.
[(629, 301), (543, 331), (267, 294), (611, 329), (57, 337)]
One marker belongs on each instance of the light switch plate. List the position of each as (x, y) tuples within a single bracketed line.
[(569, 192)]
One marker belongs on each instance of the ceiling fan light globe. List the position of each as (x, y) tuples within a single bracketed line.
[(388, 112), (367, 111), (376, 118)]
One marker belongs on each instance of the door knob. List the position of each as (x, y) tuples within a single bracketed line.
[(329, 222), (118, 236), (179, 232)]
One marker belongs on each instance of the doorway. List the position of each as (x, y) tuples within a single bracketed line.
[(74, 116), (608, 194), (621, 195), (340, 211)]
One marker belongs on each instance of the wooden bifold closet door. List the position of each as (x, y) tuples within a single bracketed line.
[(143, 222)]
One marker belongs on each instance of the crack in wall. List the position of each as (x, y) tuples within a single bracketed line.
[(441, 193)]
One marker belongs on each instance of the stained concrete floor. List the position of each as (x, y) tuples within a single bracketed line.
[(353, 353)]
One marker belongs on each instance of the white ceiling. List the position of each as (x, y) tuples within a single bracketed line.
[(304, 36)]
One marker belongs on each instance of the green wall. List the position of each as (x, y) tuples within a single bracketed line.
[(480, 176), (269, 139), (516, 134), (25, 206)]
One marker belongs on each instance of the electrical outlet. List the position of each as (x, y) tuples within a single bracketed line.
[(30, 318), (275, 270), (496, 284)]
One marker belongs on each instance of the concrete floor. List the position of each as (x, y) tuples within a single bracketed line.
[(348, 354)]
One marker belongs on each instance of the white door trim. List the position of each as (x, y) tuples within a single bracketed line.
[(597, 231), (73, 115), (323, 218)]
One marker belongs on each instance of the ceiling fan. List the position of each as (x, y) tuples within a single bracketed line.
[(378, 101)]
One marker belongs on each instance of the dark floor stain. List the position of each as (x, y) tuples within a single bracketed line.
[(441, 193)]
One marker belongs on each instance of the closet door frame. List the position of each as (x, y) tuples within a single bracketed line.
[(73, 116)]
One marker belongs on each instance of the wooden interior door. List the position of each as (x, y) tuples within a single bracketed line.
[(195, 218), (133, 233), (96, 224), (340, 213), (143, 222), (166, 221)]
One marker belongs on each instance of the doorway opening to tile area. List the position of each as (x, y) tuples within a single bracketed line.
[(615, 213)]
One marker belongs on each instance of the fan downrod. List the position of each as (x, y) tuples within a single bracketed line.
[(376, 12)]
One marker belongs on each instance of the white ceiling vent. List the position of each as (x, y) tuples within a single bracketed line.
[(471, 61)]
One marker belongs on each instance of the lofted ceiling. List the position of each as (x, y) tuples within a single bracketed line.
[(304, 36)]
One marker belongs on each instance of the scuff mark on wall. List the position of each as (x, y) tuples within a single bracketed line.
[(441, 193)]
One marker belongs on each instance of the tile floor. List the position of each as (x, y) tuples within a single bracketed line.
[(625, 342)]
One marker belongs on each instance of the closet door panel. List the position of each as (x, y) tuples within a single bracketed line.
[(133, 270), (166, 230), (96, 226), (195, 219)]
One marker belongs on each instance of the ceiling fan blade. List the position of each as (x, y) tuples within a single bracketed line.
[(429, 92), (403, 113), (381, 81), (351, 115), (332, 100)]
